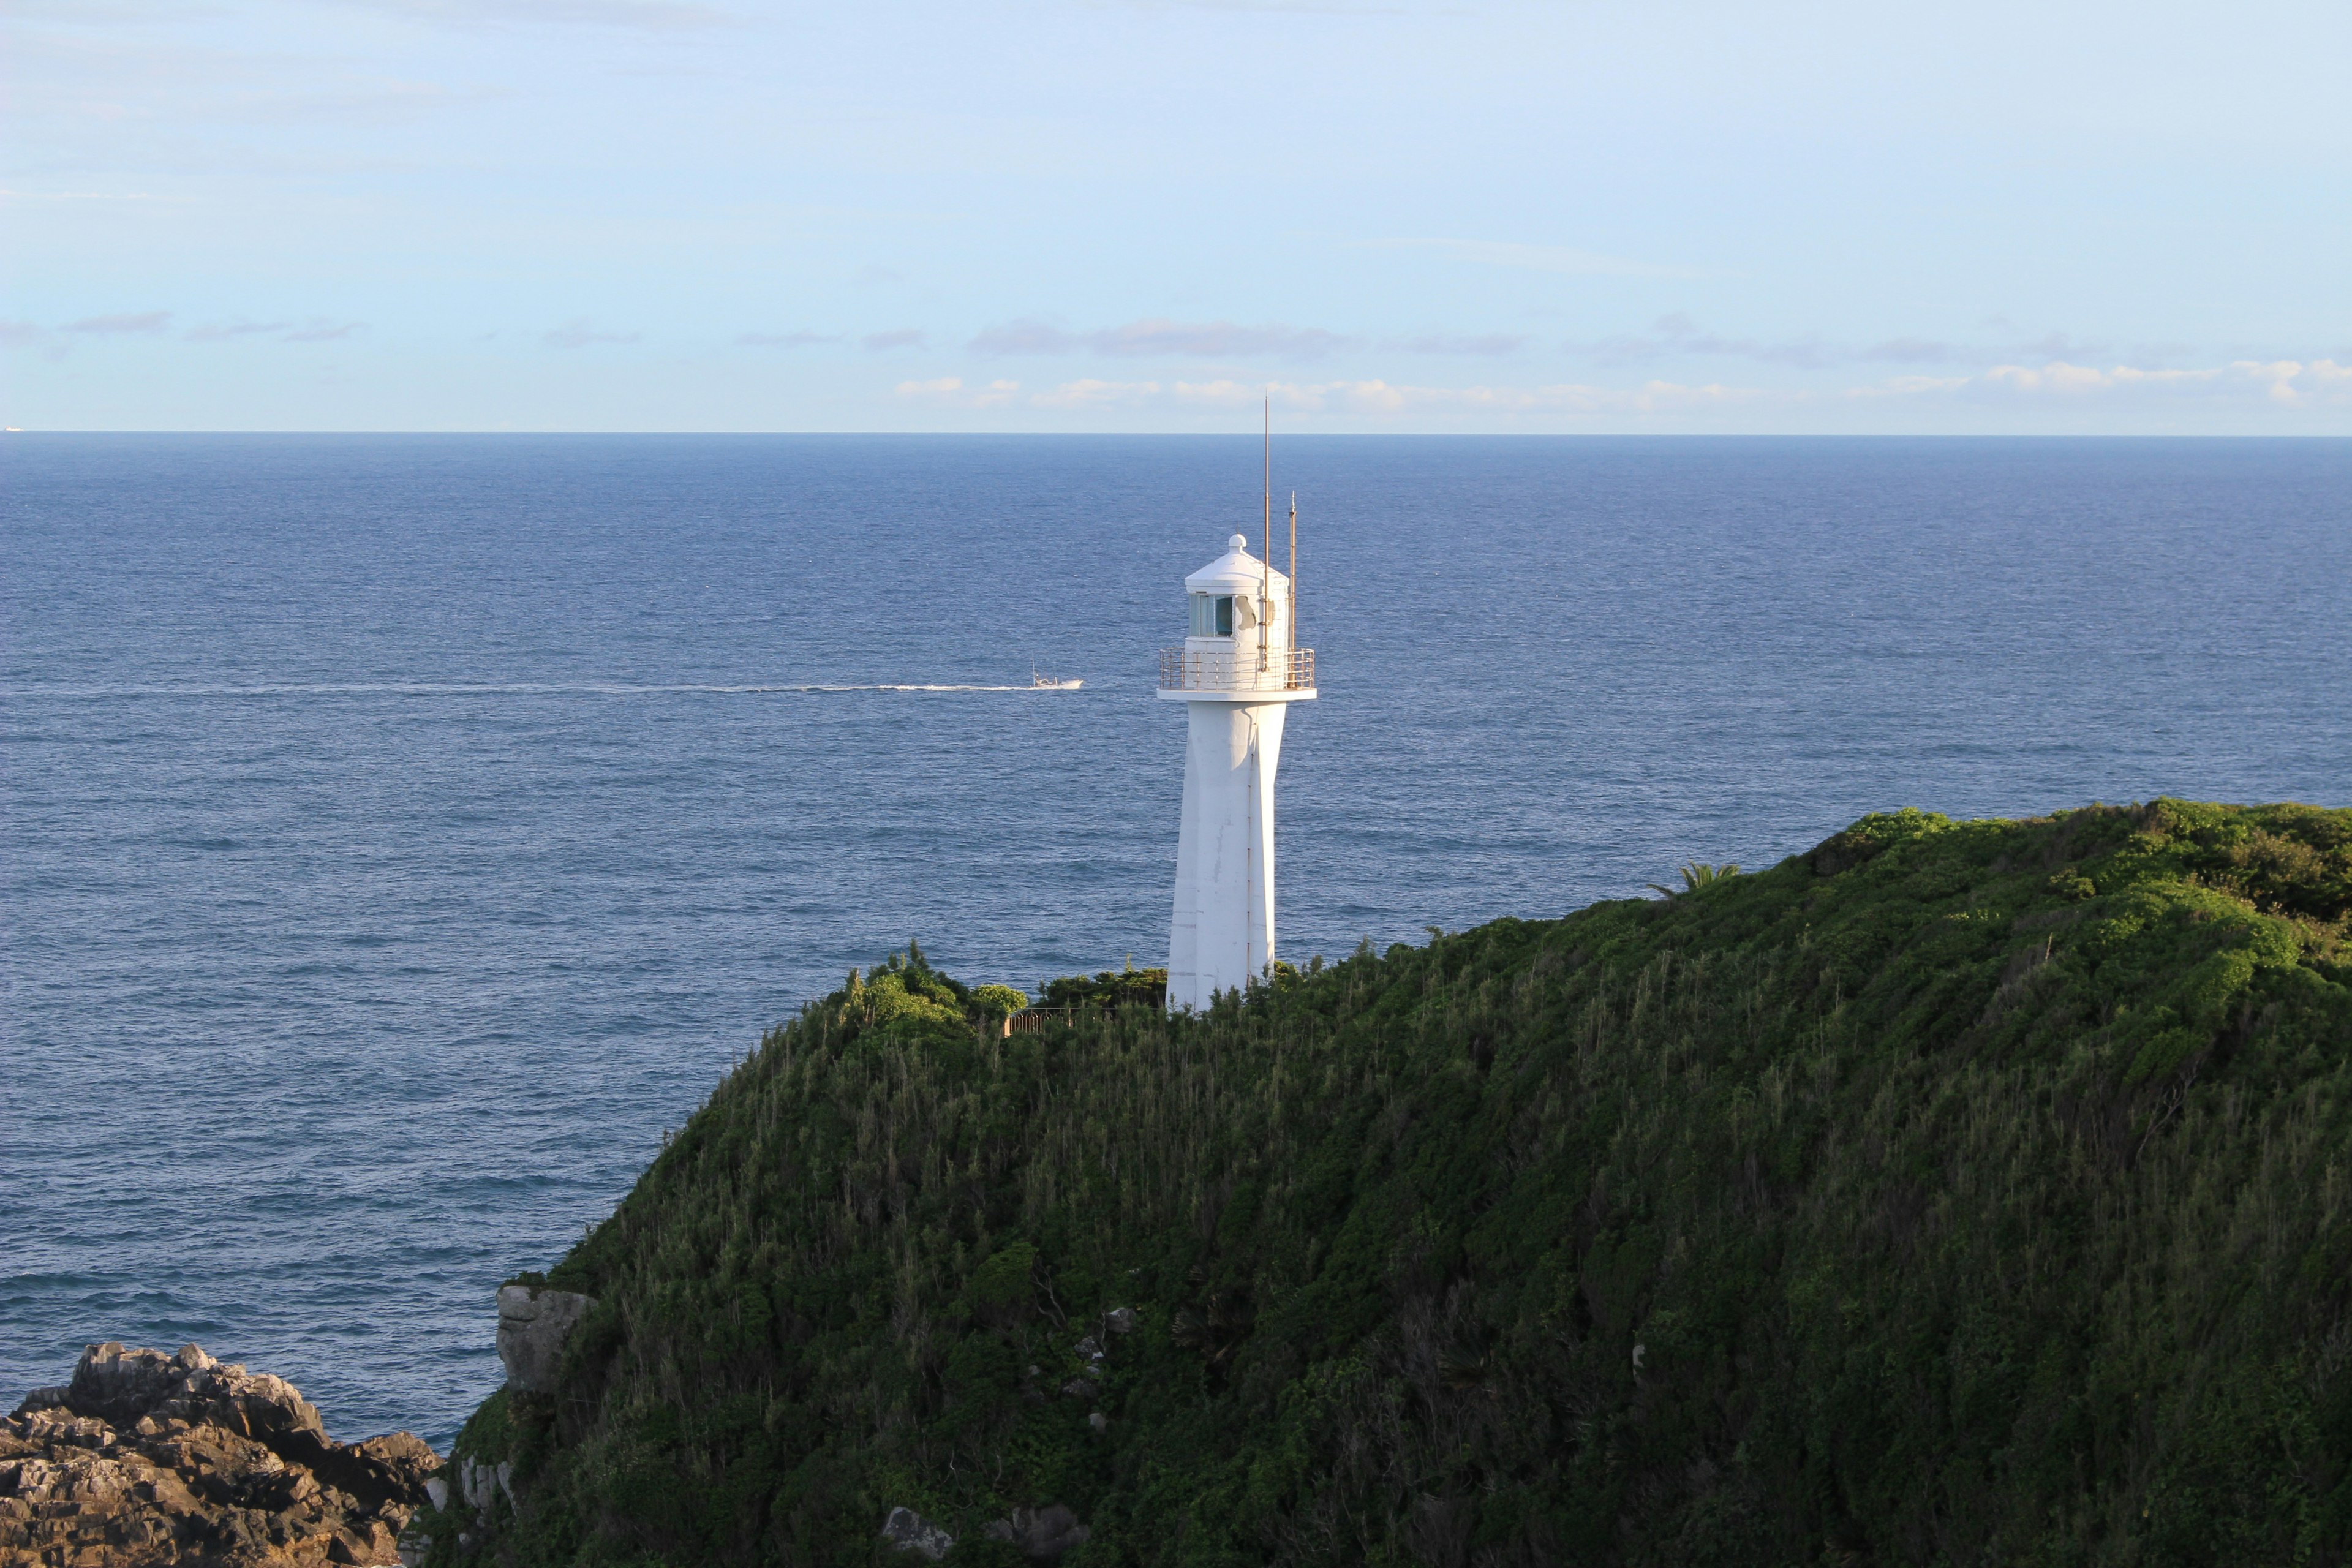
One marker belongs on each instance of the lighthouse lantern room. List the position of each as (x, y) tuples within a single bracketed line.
[(1238, 672)]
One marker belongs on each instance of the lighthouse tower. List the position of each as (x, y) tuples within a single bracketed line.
[(1237, 674)]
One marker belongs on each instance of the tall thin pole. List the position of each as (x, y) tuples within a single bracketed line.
[(1265, 562), (1294, 569)]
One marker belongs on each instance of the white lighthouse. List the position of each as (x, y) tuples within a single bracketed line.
[(1237, 674)]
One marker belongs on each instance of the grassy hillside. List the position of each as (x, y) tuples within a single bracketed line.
[(1957, 1192)]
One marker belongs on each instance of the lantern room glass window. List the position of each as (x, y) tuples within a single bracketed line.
[(1212, 615)]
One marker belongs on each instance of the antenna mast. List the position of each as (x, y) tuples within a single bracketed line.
[(1294, 569), (1265, 562)]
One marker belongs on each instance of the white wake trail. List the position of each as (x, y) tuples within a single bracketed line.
[(496, 689)]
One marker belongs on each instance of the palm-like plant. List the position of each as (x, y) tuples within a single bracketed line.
[(1697, 874)]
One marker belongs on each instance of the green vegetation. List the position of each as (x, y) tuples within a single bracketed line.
[(1697, 874), (1127, 987), (999, 1001), (1957, 1192)]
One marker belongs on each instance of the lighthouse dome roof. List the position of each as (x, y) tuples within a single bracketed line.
[(1237, 572)]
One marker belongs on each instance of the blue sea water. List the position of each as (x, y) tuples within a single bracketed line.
[(401, 832)]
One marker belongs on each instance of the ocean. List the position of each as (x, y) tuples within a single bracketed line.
[(403, 832)]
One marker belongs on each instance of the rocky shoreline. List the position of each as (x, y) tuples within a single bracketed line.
[(145, 1459)]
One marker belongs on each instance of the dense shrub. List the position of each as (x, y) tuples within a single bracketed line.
[(1958, 1193)]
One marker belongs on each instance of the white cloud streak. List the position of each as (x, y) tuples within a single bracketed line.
[(1157, 335), (1369, 398), (2287, 383)]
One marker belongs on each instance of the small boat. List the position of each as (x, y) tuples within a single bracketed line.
[(1047, 683)]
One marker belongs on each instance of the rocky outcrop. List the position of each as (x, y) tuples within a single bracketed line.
[(533, 1323), (146, 1458), (1041, 1534), (910, 1532)]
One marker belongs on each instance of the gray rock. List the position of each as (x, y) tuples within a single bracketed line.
[(910, 1532), (146, 1458), (1042, 1534), (533, 1324), (1099, 1421), (479, 1482), (1078, 1388), (127, 1386), (1120, 1319), (41, 1399)]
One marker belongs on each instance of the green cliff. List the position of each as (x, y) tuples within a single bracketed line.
[(1957, 1192)]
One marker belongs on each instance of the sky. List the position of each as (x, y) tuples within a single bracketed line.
[(1604, 215)]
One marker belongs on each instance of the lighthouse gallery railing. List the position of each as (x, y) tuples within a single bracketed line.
[(1287, 670)]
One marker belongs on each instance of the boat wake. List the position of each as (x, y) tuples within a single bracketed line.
[(498, 688)]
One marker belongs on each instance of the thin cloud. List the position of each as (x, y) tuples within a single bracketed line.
[(1157, 335), (18, 334), (1559, 258), (577, 333), (799, 340), (1380, 398), (1489, 344), (324, 332), (1027, 338), (903, 338), (1911, 351), (2291, 383), (2286, 382), (136, 321), (1221, 339), (2059, 346)]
